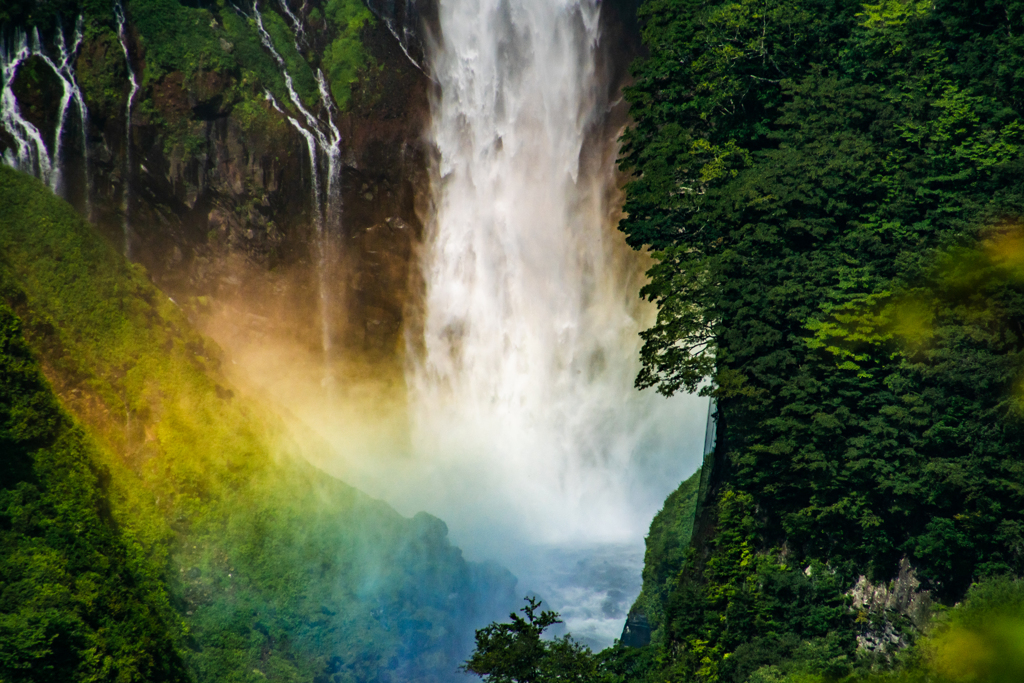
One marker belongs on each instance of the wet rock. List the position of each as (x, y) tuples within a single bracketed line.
[(637, 631), (888, 613)]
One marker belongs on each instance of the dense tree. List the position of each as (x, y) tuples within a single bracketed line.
[(516, 652), (832, 190), (78, 599)]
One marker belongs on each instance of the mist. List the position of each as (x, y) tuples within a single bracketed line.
[(510, 411)]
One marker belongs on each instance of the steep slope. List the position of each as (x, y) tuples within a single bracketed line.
[(667, 544), (79, 600), (834, 192), (276, 569)]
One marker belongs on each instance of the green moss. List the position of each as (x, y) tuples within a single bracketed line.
[(284, 42), (258, 69), (346, 56), (101, 72), (177, 38), (255, 120)]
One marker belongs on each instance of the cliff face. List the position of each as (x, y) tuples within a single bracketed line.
[(207, 182)]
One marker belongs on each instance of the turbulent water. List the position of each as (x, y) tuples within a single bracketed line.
[(592, 587), (526, 423)]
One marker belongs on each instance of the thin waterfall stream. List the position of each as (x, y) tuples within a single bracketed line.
[(323, 141), (133, 89), (32, 154)]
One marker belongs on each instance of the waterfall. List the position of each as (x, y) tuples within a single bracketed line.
[(524, 383), (126, 184), (32, 154), (323, 141), (297, 26), (65, 72)]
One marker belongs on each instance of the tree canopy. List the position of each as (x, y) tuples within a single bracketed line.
[(516, 652), (833, 192)]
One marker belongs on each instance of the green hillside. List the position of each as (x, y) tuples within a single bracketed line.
[(667, 546), (833, 191), (80, 599), (252, 564)]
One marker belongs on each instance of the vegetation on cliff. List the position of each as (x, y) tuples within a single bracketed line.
[(79, 598), (218, 37), (668, 544), (250, 562), (833, 193)]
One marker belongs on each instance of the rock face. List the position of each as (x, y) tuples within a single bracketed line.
[(218, 195), (885, 610), (637, 631), (901, 595), (413, 23), (219, 189)]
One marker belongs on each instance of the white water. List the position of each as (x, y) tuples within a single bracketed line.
[(31, 153), (133, 82), (526, 424), (65, 71), (323, 140), (296, 25)]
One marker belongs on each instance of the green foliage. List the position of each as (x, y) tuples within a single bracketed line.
[(284, 42), (277, 570), (77, 599), (858, 164), (258, 68), (177, 37), (516, 653), (256, 121), (832, 190), (667, 546), (750, 606), (346, 57), (101, 72), (979, 641), (51, 15)]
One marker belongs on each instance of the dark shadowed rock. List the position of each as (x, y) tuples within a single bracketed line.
[(636, 632)]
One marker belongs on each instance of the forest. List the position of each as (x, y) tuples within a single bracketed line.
[(832, 194)]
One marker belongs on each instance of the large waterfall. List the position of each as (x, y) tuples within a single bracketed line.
[(525, 425), (522, 391)]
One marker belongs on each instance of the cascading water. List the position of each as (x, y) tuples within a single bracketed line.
[(323, 140), (65, 72), (526, 423), (133, 89), (32, 154)]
